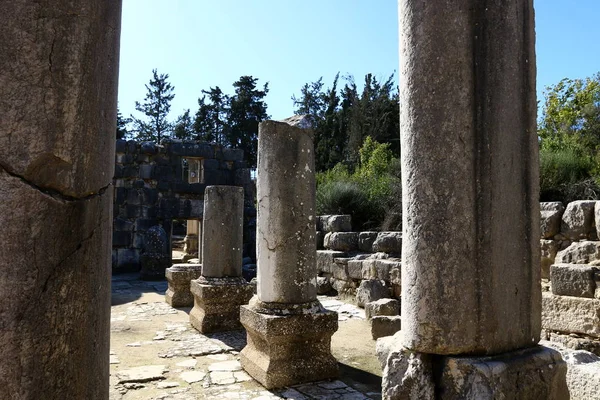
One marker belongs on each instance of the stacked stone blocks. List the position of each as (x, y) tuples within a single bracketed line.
[(151, 189)]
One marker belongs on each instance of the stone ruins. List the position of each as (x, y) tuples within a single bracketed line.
[(157, 184), (221, 290), (289, 331), (458, 301)]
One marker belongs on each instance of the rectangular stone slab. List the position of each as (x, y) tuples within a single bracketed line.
[(573, 280), (571, 314)]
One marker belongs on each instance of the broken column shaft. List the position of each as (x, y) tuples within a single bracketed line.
[(470, 270), (221, 289), (58, 100), (289, 332)]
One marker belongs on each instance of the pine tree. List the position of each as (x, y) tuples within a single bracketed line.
[(122, 131), (184, 126), (246, 109), (156, 107), (210, 122)]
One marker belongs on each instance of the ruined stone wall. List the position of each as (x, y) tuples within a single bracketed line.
[(153, 186)]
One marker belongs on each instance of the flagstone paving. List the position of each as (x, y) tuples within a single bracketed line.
[(156, 354)]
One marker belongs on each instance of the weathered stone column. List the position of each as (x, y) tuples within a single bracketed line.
[(192, 239), (58, 98), (289, 332), (470, 270), (221, 289)]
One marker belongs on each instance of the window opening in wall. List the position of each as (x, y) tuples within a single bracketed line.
[(193, 169)]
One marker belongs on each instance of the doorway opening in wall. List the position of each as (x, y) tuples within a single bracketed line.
[(178, 231)]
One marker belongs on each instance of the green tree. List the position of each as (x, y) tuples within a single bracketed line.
[(184, 126), (122, 131), (156, 107), (571, 116), (246, 109), (210, 122)]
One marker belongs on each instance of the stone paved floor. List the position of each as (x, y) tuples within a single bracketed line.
[(156, 354)]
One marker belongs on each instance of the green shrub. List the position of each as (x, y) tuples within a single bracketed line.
[(565, 176), (339, 197)]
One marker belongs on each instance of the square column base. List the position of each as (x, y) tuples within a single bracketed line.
[(534, 373), (217, 303), (179, 276), (288, 350)]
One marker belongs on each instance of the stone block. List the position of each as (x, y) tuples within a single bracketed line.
[(321, 222), (384, 325), (325, 261), (583, 372), (550, 217), (576, 280), (385, 307), (121, 146), (535, 373), (585, 252), (288, 350), (341, 241), (548, 249), (337, 223), (120, 195), (388, 242), (146, 171), (371, 290), (121, 239), (379, 268), (148, 148), (339, 268), (396, 282), (179, 277), (578, 220), (354, 269), (128, 259), (134, 197), (571, 314), (217, 303), (366, 240), (120, 224)]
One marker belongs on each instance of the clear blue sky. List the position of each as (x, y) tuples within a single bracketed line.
[(204, 43)]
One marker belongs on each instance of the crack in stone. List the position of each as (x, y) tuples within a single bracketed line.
[(55, 194)]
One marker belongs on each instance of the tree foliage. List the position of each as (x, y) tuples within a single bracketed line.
[(184, 126), (155, 126), (571, 116), (344, 118), (122, 131)]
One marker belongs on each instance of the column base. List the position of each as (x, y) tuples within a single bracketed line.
[(290, 349), (179, 277), (217, 303), (534, 373)]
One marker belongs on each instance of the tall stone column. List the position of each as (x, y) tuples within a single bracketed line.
[(289, 332), (470, 270), (58, 100), (221, 289)]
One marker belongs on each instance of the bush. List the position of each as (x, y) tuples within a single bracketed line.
[(371, 194), (565, 176), (339, 197)]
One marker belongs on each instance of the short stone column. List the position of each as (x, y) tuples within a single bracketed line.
[(289, 332), (59, 63), (192, 239), (470, 269), (179, 277), (221, 289)]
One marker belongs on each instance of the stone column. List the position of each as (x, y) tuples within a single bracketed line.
[(289, 332), (191, 240), (470, 270), (58, 99), (221, 289)]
